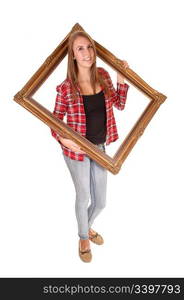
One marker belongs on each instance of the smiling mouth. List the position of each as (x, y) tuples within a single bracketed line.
[(89, 59)]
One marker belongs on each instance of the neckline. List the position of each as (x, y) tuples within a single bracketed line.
[(91, 94)]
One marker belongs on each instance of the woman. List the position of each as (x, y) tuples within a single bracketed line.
[(87, 96)]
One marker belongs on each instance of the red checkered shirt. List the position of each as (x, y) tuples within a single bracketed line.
[(76, 114)]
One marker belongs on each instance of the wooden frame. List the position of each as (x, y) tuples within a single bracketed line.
[(24, 98)]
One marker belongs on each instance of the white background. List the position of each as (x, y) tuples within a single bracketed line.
[(142, 224)]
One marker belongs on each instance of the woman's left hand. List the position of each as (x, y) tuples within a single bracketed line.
[(120, 78)]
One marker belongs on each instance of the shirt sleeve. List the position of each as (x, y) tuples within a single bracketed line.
[(118, 96), (59, 109), (121, 95)]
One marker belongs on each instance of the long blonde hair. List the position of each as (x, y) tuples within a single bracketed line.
[(72, 69)]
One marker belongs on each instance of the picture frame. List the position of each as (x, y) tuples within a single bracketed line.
[(113, 164)]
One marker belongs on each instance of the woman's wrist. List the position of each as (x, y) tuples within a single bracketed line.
[(61, 139), (121, 81)]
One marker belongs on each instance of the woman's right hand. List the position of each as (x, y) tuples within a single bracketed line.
[(71, 145)]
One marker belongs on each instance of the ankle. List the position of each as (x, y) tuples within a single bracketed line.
[(84, 244)]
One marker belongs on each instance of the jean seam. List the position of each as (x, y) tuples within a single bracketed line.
[(94, 188)]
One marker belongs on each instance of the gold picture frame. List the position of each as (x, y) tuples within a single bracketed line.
[(113, 164)]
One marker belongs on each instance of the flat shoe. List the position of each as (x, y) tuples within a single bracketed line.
[(97, 239), (86, 255)]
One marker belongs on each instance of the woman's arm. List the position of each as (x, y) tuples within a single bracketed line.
[(59, 110), (121, 78), (119, 95), (122, 89)]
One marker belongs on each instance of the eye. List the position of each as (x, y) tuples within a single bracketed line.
[(80, 48), (90, 46)]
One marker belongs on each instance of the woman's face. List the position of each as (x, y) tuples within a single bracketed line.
[(83, 52)]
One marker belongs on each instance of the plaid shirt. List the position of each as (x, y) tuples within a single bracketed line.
[(76, 114)]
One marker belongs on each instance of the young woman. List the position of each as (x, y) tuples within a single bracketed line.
[(87, 96)]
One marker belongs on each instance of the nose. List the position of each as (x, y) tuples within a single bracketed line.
[(86, 53)]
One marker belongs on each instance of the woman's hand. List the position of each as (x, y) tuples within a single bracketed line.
[(71, 145), (120, 78)]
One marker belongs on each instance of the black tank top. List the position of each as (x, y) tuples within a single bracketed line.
[(94, 106)]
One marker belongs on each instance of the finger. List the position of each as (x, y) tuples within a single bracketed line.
[(75, 146), (81, 151), (125, 63), (77, 149)]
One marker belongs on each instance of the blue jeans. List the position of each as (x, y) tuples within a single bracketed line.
[(90, 181)]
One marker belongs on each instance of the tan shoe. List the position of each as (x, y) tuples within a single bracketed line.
[(97, 239), (86, 255)]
